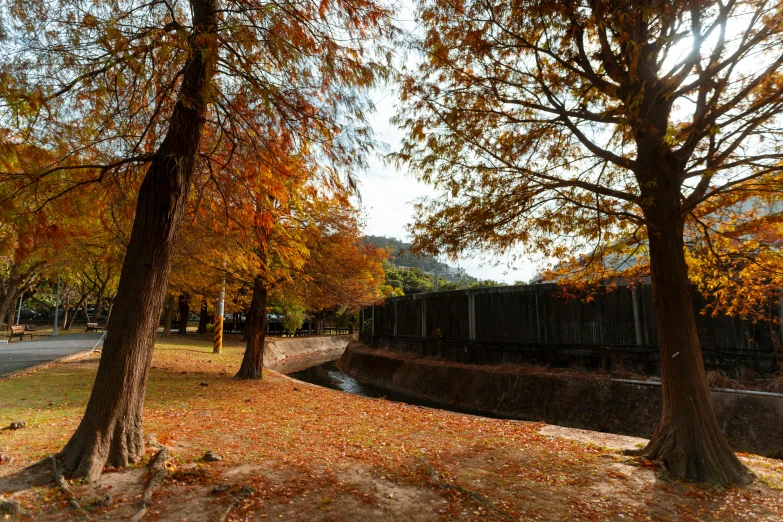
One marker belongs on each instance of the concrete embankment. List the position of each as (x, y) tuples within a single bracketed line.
[(752, 422), (289, 354)]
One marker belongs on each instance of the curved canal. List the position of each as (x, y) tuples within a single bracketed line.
[(328, 375)]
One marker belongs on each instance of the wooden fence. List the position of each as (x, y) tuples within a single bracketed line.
[(533, 324)]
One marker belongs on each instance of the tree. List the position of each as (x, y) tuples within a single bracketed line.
[(88, 265), (121, 89), (18, 267), (733, 250), (28, 239), (570, 127), (293, 316), (390, 291), (196, 273), (169, 316), (342, 272), (110, 430), (268, 225), (409, 280)]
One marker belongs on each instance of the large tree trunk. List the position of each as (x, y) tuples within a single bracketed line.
[(203, 318), (688, 439), (9, 288), (255, 330), (169, 316), (16, 284), (319, 325), (4, 312), (184, 312), (246, 327), (111, 429), (12, 311)]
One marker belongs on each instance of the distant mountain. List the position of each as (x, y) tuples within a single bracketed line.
[(401, 256)]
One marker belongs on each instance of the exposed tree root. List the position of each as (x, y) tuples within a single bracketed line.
[(231, 505), (59, 479), (699, 461), (117, 442), (159, 474), (478, 497)]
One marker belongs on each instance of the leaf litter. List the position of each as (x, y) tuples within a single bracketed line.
[(319, 454)]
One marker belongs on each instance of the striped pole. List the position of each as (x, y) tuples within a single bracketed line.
[(217, 340), (57, 308)]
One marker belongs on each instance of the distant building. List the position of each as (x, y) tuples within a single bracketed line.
[(453, 274)]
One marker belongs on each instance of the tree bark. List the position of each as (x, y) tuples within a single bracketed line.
[(111, 429), (15, 285), (688, 439), (67, 309), (203, 318), (98, 302), (108, 313), (11, 319), (184, 312), (9, 287), (255, 330), (246, 326), (4, 308), (69, 323), (319, 325), (169, 316)]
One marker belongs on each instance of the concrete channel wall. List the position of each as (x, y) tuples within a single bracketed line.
[(752, 422), (286, 352)]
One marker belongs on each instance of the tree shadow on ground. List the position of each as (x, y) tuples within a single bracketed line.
[(37, 475)]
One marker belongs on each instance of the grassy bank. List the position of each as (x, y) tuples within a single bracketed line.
[(298, 452)]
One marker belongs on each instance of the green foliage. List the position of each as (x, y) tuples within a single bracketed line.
[(389, 291), (400, 254), (345, 318), (407, 281), (293, 317), (410, 280), (486, 283)]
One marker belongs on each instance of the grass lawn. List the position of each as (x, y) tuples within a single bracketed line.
[(294, 451)]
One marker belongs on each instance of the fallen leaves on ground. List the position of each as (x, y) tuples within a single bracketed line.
[(300, 452)]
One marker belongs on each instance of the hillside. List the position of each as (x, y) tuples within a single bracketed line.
[(402, 256)]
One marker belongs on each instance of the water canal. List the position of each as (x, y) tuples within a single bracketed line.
[(328, 375)]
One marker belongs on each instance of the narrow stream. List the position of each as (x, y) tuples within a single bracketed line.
[(329, 375)]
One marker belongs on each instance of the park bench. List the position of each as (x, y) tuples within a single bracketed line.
[(94, 327), (21, 331)]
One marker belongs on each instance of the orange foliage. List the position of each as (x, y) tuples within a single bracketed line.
[(342, 271)]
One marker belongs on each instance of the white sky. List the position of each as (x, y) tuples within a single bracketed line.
[(388, 196)]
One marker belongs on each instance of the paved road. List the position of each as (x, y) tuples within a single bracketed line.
[(19, 355)]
